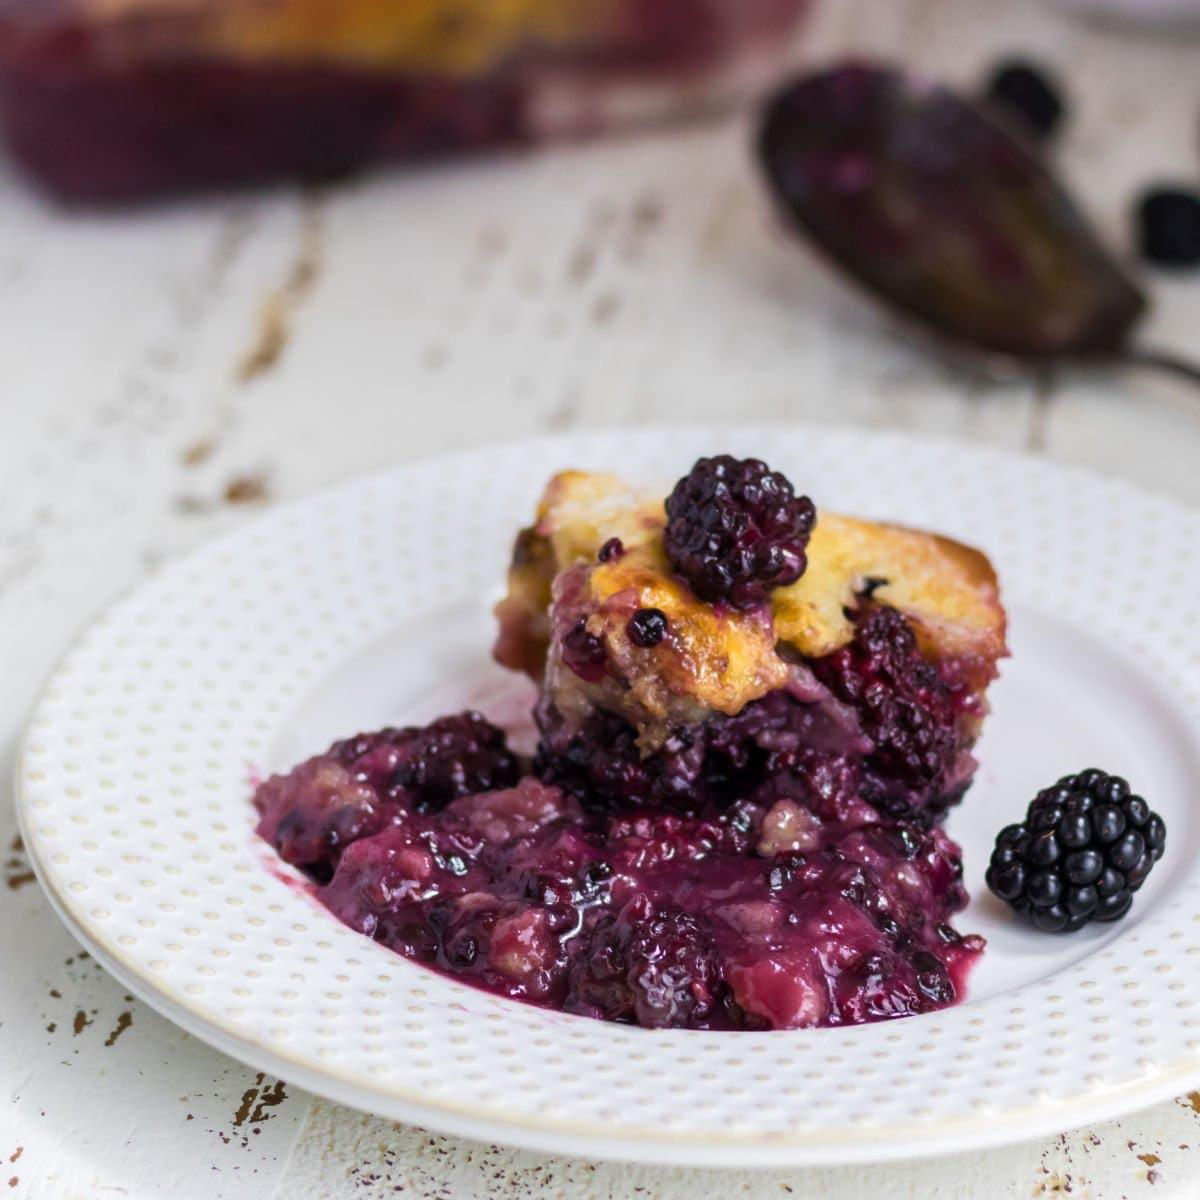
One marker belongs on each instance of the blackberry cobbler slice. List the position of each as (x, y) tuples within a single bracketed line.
[(876, 658), (752, 719)]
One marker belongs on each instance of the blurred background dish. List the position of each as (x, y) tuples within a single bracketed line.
[(1161, 14), (121, 99), (170, 369)]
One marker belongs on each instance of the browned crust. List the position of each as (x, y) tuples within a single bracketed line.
[(949, 590)]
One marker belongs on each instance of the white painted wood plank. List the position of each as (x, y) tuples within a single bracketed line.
[(640, 281), (368, 1158)]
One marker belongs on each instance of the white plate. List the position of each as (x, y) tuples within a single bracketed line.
[(369, 605)]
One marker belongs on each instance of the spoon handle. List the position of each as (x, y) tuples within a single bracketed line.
[(1162, 360)]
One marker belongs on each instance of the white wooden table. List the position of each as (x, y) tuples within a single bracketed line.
[(167, 373)]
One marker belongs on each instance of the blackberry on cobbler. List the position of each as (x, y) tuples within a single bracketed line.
[(583, 652), (647, 627), (1086, 845), (736, 530), (1168, 220)]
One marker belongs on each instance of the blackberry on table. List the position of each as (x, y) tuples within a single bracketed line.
[(1086, 845), (736, 530), (1168, 221), (1028, 91)]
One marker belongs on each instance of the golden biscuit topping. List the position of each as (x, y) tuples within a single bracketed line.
[(720, 658)]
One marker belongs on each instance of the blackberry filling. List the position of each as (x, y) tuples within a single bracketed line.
[(761, 914), (365, 783), (909, 710), (584, 654), (891, 720)]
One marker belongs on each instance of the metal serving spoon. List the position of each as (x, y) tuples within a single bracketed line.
[(949, 215)]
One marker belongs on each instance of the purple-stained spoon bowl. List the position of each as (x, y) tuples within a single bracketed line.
[(939, 208)]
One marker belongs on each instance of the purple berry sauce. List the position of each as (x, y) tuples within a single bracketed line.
[(770, 892)]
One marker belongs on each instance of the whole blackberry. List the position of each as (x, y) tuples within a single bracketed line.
[(736, 530), (455, 756), (652, 968), (1029, 92), (1085, 846), (1168, 221), (599, 762)]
